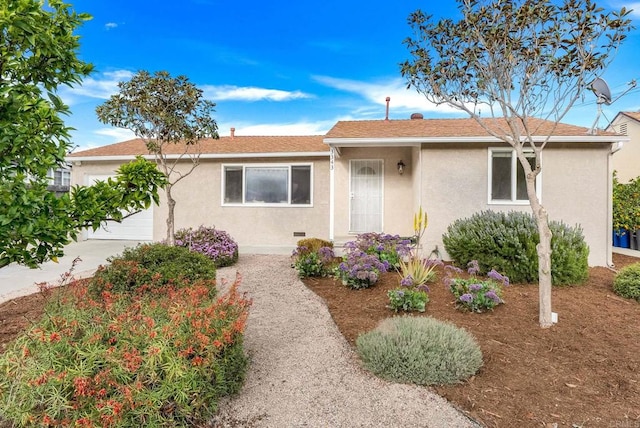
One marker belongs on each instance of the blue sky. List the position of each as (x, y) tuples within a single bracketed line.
[(279, 67)]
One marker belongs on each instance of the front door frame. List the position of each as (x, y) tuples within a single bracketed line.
[(372, 188)]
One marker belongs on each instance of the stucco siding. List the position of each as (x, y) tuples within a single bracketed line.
[(627, 161), (574, 190), (255, 228)]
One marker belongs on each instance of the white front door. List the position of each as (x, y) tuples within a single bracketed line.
[(365, 196)]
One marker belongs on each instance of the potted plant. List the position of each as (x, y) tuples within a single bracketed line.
[(626, 213)]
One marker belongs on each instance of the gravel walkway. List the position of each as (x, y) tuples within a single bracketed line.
[(303, 372)]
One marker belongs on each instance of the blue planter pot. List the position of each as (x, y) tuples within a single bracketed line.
[(621, 238)]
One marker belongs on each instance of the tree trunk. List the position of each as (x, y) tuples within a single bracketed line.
[(544, 266), (171, 204), (544, 254)]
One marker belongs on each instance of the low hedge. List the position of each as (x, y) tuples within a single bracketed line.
[(147, 264), (507, 243)]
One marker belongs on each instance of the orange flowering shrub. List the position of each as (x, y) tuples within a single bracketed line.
[(159, 356)]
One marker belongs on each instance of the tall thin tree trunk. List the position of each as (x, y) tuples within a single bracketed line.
[(171, 204), (544, 267), (544, 254)]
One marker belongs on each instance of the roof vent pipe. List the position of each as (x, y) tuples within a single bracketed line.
[(386, 117), (233, 133)]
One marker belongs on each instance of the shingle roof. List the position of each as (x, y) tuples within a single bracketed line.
[(436, 128), (224, 145), (635, 115)]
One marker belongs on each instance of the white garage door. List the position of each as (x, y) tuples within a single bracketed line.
[(138, 227)]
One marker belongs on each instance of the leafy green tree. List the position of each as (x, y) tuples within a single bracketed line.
[(38, 53), (519, 61), (171, 116)]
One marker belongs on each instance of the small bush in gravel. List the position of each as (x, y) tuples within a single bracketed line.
[(213, 243), (138, 266), (627, 282), (507, 243), (420, 350)]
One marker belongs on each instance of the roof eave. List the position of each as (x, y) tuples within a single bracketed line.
[(417, 141), (114, 158)]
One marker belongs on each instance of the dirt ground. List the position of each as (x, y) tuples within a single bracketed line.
[(582, 372)]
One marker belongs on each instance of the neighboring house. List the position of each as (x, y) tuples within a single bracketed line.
[(371, 176), (627, 161), (60, 180)]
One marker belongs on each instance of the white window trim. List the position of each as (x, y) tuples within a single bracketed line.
[(244, 166), (514, 164)]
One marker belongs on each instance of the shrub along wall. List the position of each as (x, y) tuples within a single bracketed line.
[(507, 243)]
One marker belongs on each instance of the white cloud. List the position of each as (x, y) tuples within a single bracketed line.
[(117, 134), (276, 129), (110, 25), (635, 12), (401, 97), (100, 87), (250, 93)]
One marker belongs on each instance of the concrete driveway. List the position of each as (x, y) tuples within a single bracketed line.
[(18, 280)]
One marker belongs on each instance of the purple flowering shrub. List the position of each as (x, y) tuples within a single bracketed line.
[(312, 263), (387, 248), (473, 294), (213, 243), (359, 269)]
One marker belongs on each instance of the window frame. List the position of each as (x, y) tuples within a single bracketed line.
[(244, 166), (515, 164)]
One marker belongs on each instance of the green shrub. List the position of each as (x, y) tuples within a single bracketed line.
[(627, 282), (157, 358), (473, 294), (165, 264), (314, 244), (419, 350), (408, 299), (314, 263), (213, 243), (507, 243)]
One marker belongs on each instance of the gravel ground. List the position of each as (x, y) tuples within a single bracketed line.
[(303, 373)]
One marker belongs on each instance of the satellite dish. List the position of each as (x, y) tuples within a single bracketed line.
[(602, 91)]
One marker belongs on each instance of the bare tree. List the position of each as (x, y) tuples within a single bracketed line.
[(521, 61), (167, 113)]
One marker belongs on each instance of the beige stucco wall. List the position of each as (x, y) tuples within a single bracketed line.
[(398, 191), (256, 229), (574, 190), (627, 161)]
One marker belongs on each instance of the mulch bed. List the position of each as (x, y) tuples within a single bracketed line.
[(582, 372)]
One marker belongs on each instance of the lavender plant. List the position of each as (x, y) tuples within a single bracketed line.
[(213, 243), (473, 294), (359, 269)]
